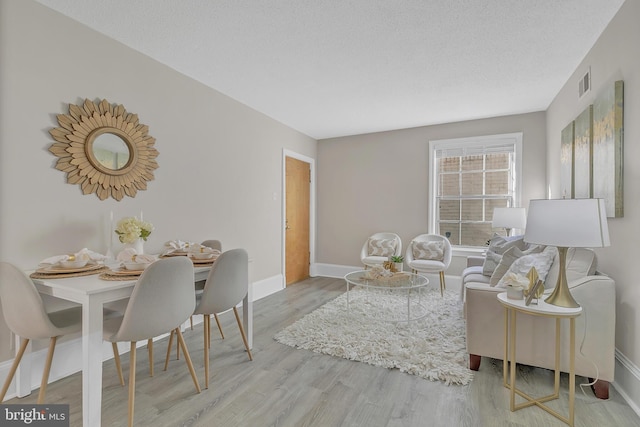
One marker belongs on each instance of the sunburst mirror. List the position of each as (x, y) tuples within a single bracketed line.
[(104, 149)]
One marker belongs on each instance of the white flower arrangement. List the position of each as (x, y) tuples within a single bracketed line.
[(131, 229)]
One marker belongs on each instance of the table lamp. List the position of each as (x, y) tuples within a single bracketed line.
[(509, 218), (565, 223)]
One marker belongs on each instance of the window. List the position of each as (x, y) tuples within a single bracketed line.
[(469, 178)]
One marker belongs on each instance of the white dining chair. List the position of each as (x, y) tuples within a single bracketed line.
[(162, 299), (25, 315), (213, 244), (226, 285)]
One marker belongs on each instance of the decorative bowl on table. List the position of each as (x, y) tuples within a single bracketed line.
[(136, 266), (75, 263)]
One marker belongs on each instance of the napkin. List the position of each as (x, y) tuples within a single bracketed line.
[(176, 246), (84, 253), (130, 255)]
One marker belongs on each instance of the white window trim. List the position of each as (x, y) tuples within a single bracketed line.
[(487, 140)]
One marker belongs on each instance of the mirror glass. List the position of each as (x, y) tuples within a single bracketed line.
[(111, 151)]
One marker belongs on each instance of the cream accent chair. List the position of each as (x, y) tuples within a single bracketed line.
[(370, 259), (25, 315), (595, 328), (163, 298), (430, 265)]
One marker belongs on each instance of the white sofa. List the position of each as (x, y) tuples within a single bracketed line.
[(595, 328)]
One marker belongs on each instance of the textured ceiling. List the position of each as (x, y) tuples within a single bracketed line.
[(333, 67)]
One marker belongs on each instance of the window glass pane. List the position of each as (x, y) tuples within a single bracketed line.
[(449, 164), (498, 161), (449, 185), (475, 234), (472, 163), (450, 210), (497, 182), (472, 184), (472, 210), (450, 231)]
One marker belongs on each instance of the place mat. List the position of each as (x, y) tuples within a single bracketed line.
[(170, 254), (203, 261), (41, 274), (56, 269), (124, 272), (107, 276)]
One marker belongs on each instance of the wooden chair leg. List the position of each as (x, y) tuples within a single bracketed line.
[(132, 381), (47, 369), (187, 358), (218, 323), (191, 322), (207, 339), (14, 367), (244, 337), (166, 360), (150, 348), (116, 357), (443, 285)]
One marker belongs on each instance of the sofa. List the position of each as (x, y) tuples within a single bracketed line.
[(595, 327)]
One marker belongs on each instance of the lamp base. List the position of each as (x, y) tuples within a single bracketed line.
[(561, 296)]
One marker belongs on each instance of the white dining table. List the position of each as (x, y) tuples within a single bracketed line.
[(93, 292)]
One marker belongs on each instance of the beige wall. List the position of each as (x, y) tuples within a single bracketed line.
[(220, 162), (614, 57), (379, 182)]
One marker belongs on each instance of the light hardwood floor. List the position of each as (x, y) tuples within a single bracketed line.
[(288, 387)]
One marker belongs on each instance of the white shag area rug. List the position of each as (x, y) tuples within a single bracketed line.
[(432, 347)]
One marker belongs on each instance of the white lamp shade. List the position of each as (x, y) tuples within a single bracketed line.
[(570, 223), (509, 218)]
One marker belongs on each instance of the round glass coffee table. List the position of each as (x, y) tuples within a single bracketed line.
[(408, 283)]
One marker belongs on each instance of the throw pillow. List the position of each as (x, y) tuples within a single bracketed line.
[(541, 261), (433, 250), (382, 247), (508, 258), (498, 246)]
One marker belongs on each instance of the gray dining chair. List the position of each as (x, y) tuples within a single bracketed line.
[(162, 299), (225, 287), (25, 315), (213, 244)]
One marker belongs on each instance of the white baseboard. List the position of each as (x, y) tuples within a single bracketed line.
[(627, 381), (67, 358)]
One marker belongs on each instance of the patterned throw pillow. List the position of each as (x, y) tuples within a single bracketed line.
[(497, 246), (433, 250), (541, 261), (508, 258), (382, 247)]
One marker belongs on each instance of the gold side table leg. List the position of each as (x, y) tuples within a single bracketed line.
[(556, 381), (512, 350), (505, 363), (572, 373)]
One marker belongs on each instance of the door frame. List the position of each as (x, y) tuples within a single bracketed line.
[(312, 211)]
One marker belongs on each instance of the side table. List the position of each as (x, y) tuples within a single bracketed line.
[(513, 306)]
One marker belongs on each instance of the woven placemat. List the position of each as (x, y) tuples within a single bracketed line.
[(38, 275), (107, 276)]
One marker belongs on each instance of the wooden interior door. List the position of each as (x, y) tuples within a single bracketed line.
[(298, 188)]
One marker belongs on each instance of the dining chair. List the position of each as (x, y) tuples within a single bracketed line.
[(25, 315), (213, 244), (226, 285), (379, 247), (162, 299), (429, 253)]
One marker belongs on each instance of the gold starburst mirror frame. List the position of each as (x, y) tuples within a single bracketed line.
[(104, 149)]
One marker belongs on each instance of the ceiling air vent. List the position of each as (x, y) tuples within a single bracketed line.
[(584, 85)]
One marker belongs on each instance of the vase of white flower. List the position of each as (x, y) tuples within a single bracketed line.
[(133, 232)]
